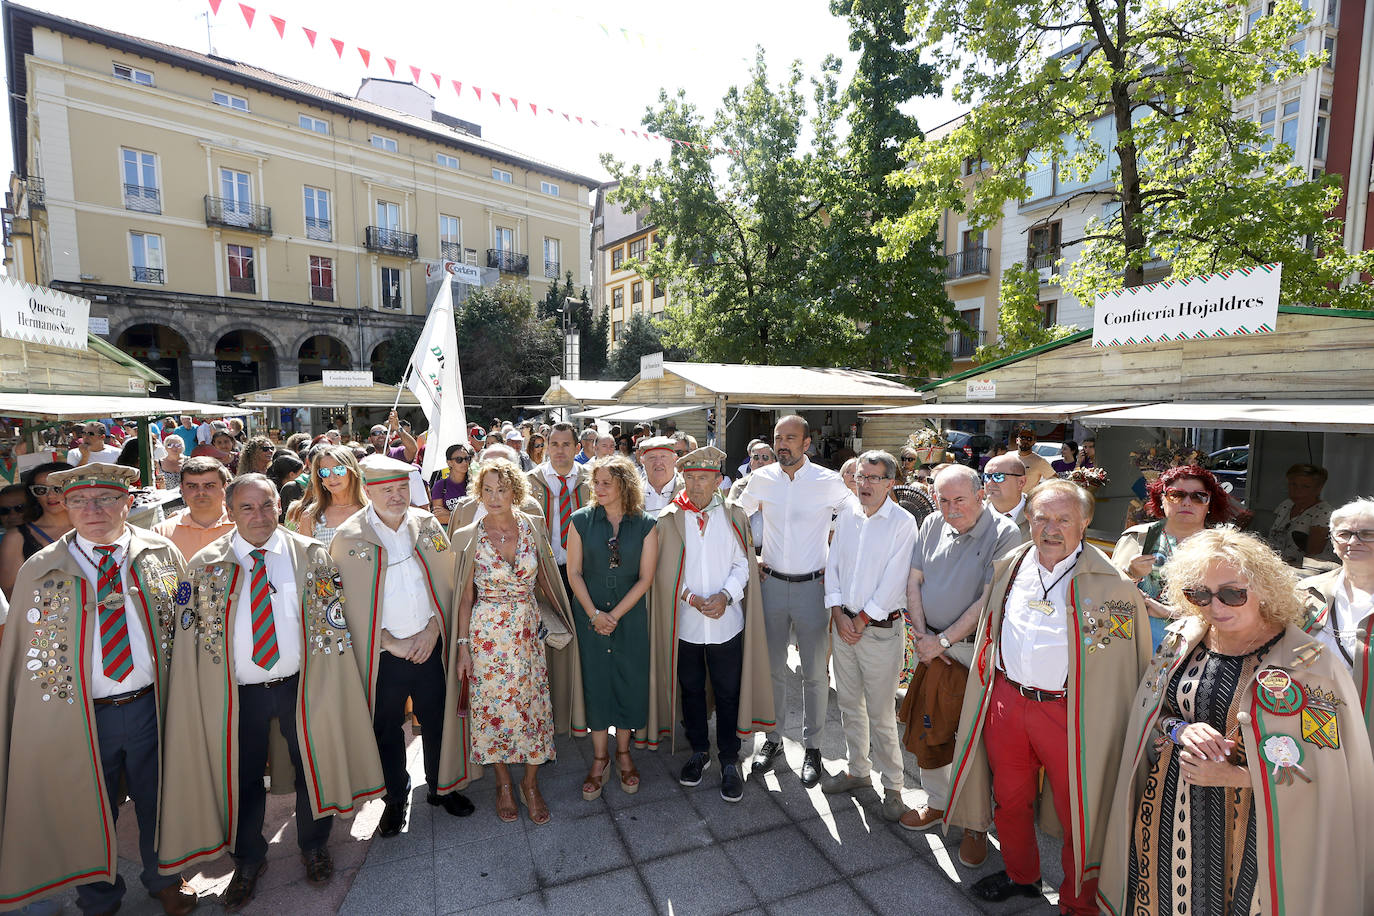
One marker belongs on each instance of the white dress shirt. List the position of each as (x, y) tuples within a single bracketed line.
[(1349, 609), (406, 601), (796, 514), (286, 613), (4, 609), (1016, 513), (560, 553), (107, 455), (1035, 644), (713, 562), (655, 501), (142, 675), (870, 559)]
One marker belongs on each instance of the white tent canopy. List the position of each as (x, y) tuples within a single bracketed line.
[(994, 410), (84, 406), (1302, 416)]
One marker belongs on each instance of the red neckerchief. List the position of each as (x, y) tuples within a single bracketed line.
[(682, 500)]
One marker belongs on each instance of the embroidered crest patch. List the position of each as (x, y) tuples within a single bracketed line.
[(183, 593), (188, 618), (1277, 692), (333, 612), (1319, 724), (1123, 624)]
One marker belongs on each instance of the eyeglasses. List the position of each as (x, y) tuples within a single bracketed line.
[(999, 476), (920, 479), (100, 502), (907, 459), (1231, 596), (763, 458), (6, 510), (40, 489), (613, 545), (1365, 535), (870, 478), (1176, 495), (93, 432), (337, 470), (460, 459)]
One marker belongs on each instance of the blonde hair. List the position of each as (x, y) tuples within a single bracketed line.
[(623, 471), (1273, 582), (508, 473), (317, 496)]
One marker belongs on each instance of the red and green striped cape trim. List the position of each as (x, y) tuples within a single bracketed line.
[(1080, 827), (1270, 824), (374, 632)]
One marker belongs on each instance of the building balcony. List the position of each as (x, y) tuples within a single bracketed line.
[(243, 285), (508, 262), (962, 345), (237, 214), (142, 198), (1040, 258), (321, 230), (551, 270), (392, 241), (971, 262), (321, 293), (451, 251), (391, 302), (148, 275), (36, 191)]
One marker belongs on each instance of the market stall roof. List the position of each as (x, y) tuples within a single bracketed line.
[(598, 413), (789, 382), (83, 406), (1303, 416), (997, 410), (588, 389), (318, 394), (650, 414)]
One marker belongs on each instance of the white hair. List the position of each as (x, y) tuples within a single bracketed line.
[(1360, 507)]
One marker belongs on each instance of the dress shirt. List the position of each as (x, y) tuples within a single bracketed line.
[(142, 675), (1034, 645), (955, 567), (796, 514), (4, 609), (406, 602), (1349, 609), (655, 501), (713, 562), (286, 613), (107, 455), (560, 553), (1016, 513), (869, 559), (192, 538)]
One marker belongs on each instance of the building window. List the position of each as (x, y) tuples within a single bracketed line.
[(502, 176), (505, 239), (659, 291), (1253, 18), (636, 292), (1266, 121), (321, 279), (1329, 46), (450, 238), (1319, 144), (1049, 313), (553, 251), (133, 75), (637, 249), (385, 143), (447, 161), (972, 165), (391, 287), (618, 297), (313, 124), (318, 225), (388, 216), (617, 330), (1288, 128), (229, 101), (549, 188), (1044, 245), (1299, 47), (241, 273), (145, 256), (617, 258), (236, 193), (140, 181)]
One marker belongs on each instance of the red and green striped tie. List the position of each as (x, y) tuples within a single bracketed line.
[(265, 653), (115, 651), (564, 511)]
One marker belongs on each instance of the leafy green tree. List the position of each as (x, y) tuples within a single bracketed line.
[(506, 352), (595, 346), (643, 335), (1141, 115), (592, 348), (396, 356)]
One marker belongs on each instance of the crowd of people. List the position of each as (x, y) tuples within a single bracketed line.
[(1191, 718)]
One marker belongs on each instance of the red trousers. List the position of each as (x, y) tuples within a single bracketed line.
[(1022, 736)]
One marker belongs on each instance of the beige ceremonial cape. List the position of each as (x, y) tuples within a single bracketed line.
[(548, 499), (333, 726), (1319, 593), (1109, 648), (565, 670), (1315, 840), (362, 561), (55, 826), (465, 513), (756, 684)]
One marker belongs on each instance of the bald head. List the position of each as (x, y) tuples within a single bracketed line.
[(1006, 493)]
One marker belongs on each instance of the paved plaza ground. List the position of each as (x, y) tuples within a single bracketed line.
[(667, 850)]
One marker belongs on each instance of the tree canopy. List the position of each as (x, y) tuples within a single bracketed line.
[(642, 335)]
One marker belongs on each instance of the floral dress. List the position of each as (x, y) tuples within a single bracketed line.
[(512, 716)]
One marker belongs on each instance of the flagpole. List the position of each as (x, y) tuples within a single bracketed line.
[(401, 385)]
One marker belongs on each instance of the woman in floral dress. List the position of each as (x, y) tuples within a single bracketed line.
[(500, 653)]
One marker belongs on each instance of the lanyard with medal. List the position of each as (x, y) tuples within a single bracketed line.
[(1043, 604), (1279, 694)]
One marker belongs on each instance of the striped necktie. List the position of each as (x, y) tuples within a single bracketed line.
[(564, 511), (116, 652), (265, 654)]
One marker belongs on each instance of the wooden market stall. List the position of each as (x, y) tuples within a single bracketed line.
[(374, 400), (576, 395)]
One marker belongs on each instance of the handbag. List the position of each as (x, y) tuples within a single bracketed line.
[(552, 629)]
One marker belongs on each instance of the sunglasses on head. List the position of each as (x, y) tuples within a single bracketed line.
[(337, 470), (1176, 495), (613, 545), (1231, 595), (1000, 476)]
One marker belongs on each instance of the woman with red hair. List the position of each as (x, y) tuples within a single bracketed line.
[(1185, 500)]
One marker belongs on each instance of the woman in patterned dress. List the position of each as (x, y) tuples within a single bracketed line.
[(334, 493), (500, 654)]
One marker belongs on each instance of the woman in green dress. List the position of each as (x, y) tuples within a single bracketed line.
[(612, 553)]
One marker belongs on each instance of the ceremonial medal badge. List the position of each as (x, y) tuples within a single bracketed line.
[(188, 618), (333, 612), (1285, 756), (1319, 724), (1120, 618), (1277, 692), (183, 593)]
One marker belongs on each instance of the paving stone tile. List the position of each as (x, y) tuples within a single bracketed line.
[(780, 863), (662, 828), (589, 896), (395, 886), (832, 898), (473, 874), (566, 850), (676, 884), (754, 813), (856, 841)]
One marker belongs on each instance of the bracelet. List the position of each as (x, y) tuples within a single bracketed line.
[(1173, 732), (462, 641)]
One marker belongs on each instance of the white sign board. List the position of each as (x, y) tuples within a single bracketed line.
[(470, 274), (99, 326), (982, 389), (341, 378), (651, 366), (1241, 301), (41, 315)]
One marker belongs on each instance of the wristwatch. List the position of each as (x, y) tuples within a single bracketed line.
[(944, 641)]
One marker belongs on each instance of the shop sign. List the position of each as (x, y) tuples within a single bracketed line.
[(651, 366), (44, 316), (982, 389), (1233, 302), (346, 378)]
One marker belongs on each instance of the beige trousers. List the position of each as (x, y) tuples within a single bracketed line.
[(866, 689)]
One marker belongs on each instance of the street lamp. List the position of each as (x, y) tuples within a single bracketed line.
[(571, 341)]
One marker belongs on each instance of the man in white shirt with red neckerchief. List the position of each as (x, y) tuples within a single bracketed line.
[(560, 486), (661, 480), (798, 499)]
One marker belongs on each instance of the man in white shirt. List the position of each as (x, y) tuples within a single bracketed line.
[(865, 590), (560, 486), (1004, 479), (798, 499), (661, 480), (94, 447), (402, 622)]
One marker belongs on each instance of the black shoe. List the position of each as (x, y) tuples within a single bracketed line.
[(763, 760), (811, 767), (455, 803), (998, 887), (731, 782), (696, 764), (319, 865), (393, 818), (242, 885)]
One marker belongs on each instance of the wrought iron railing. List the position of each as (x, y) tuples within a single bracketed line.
[(243, 285), (321, 293), (551, 269), (142, 198), (970, 262), (451, 251), (392, 241), (36, 191), (148, 275), (321, 230), (508, 262), (962, 345), (237, 214)]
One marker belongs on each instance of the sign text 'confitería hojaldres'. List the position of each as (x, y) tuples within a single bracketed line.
[(1241, 301)]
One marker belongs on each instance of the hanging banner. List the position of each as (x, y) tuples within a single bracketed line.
[(41, 315), (1241, 301)]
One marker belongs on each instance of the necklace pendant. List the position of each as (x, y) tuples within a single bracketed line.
[(1042, 605)]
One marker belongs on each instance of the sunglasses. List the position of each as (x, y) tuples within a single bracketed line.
[(40, 489), (760, 457), (1175, 495), (920, 479), (6, 510), (1231, 596), (460, 459), (1344, 535), (337, 470), (999, 476), (613, 545)]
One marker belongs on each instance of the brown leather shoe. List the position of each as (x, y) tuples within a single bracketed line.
[(922, 818), (973, 849), (319, 865), (242, 885), (177, 899)]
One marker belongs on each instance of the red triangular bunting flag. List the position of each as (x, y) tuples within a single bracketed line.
[(438, 80), (415, 74), (534, 109), (516, 102), (579, 119), (477, 91), (280, 23), (622, 130), (391, 64), (497, 96), (338, 47), (635, 132), (457, 87), (248, 13), (567, 117), (214, 6), (366, 55), (309, 34)]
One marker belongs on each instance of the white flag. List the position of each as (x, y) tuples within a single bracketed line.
[(436, 382)]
